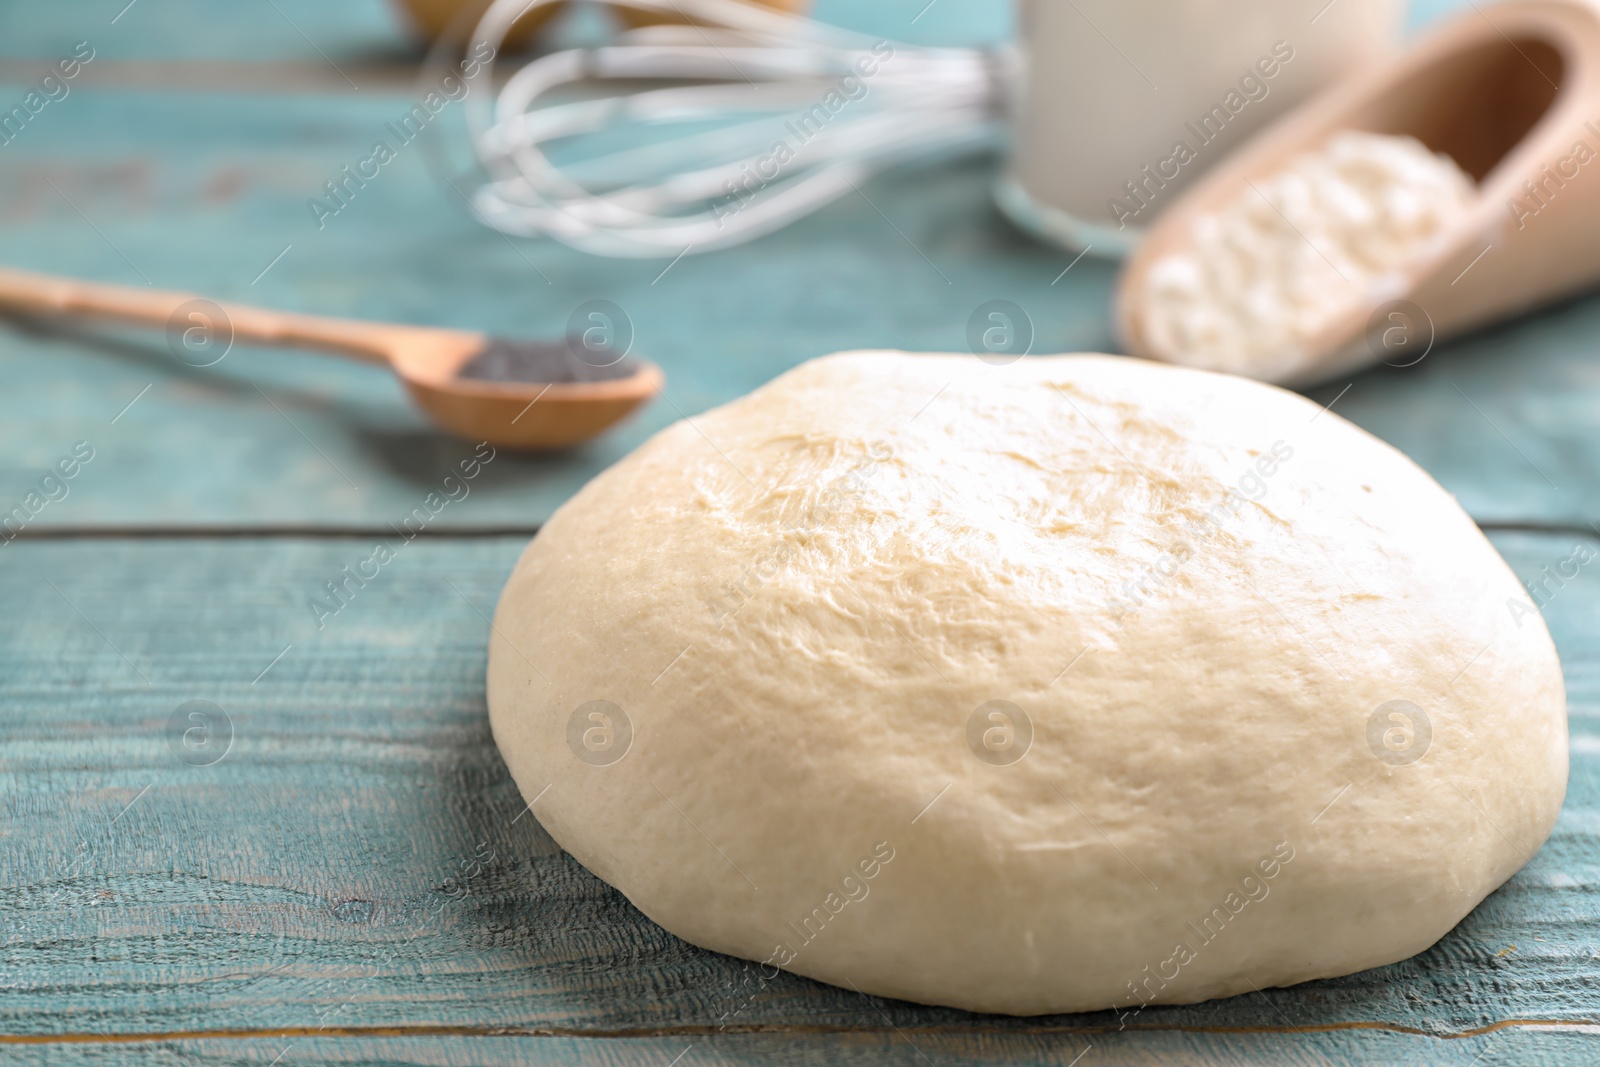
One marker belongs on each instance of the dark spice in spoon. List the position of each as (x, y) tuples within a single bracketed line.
[(541, 362)]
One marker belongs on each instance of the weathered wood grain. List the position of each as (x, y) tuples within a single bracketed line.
[(360, 860), (1534, 1047)]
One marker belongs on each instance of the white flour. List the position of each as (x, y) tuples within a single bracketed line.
[(1268, 272)]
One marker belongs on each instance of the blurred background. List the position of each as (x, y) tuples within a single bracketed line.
[(186, 151)]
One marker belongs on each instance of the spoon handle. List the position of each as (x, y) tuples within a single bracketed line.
[(182, 313)]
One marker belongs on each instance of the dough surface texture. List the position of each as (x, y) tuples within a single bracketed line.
[(1076, 683)]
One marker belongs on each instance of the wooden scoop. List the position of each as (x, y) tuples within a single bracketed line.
[(1510, 91), (575, 400)]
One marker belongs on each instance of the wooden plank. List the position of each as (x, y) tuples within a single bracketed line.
[(356, 31), (359, 859), (1532, 1047), (195, 29)]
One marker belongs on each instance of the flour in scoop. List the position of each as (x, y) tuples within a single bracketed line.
[(1284, 260)]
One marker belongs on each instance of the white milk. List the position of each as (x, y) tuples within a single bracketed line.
[(1125, 102)]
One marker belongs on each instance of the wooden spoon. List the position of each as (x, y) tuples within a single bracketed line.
[(577, 400), (1506, 90)]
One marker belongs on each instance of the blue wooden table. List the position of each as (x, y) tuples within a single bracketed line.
[(343, 871)]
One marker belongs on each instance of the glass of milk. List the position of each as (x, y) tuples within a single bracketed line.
[(1125, 102)]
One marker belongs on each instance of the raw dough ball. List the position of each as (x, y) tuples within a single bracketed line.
[(1075, 683)]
